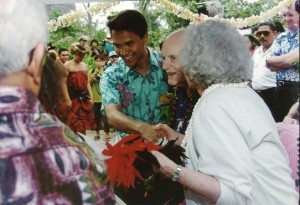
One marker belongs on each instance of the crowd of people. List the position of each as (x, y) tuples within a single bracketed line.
[(230, 101)]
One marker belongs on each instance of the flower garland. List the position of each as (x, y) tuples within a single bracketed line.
[(75, 16), (238, 23), (188, 132), (176, 9)]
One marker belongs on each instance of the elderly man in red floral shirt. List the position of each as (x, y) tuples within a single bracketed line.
[(41, 160)]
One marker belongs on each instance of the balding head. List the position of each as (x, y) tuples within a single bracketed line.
[(171, 50), (177, 37)]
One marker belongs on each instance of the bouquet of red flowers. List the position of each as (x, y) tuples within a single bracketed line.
[(131, 161)]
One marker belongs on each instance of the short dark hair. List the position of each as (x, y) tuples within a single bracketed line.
[(62, 50), (268, 23), (254, 28), (82, 48), (94, 40), (129, 20), (279, 26), (99, 56), (252, 38)]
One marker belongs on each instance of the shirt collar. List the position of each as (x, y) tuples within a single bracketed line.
[(153, 58)]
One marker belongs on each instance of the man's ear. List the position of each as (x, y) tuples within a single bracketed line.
[(35, 65), (145, 38)]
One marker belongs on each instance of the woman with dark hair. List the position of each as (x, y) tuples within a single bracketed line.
[(252, 42), (94, 48), (81, 117), (51, 91)]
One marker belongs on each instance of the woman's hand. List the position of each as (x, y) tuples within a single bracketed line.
[(167, 166)]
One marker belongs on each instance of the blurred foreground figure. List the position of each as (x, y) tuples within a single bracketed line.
[(41, 160)]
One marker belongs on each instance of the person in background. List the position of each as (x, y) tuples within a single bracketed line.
[(81, 117), (232, 144), (289, 136), (42, 160), (94, 48), (185, 98), (210, 8), (112, 59), (254, 30), (107, 45), (287, 76), (52, 91), (279, 27), (83, 41), (52, 54), (63, 55), (263, 80), (95, 75), (252, 42), (62, 104)]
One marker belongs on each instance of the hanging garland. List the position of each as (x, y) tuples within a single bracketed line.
[(75, 16), (238, 23)]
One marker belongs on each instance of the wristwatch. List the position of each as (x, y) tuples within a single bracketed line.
[(176, 174)]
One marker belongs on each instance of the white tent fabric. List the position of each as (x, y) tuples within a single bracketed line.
[(77, 1)]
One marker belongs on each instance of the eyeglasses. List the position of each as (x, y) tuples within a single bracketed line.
[(265, 33)]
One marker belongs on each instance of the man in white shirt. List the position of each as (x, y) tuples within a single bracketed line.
[(264, 80)]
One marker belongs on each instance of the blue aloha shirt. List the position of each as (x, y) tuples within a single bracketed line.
[(139, 96), (283, 44)]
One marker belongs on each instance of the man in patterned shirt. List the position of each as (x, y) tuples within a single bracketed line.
[(287, 76), (132, 87), (41, 160)]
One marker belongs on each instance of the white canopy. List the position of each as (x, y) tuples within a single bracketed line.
[(76, 1)]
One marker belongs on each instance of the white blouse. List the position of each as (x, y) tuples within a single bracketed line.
[(234, 138)]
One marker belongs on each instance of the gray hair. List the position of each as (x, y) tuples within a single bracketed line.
[(214, 52), (214, 8), (23, 26), (211, 8)]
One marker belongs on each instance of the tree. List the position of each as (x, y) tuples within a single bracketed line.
[(161, 22)]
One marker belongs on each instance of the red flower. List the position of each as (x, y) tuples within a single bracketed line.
[(120, 168)]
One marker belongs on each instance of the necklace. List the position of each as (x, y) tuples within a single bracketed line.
[(186, 111), (188, 132)]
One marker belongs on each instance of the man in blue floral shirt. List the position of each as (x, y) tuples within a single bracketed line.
[(41, 160), (287, 75), (132, 87)]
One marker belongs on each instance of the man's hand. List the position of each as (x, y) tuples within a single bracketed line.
[(169, 133), (149, 133)]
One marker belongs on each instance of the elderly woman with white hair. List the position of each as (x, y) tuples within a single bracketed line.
[(232, 144)]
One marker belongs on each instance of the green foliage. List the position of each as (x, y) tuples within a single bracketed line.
[(66, 36), (90, 61), (161, 22)]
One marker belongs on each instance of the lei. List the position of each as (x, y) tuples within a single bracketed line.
[(188, 132), (191, 101)]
